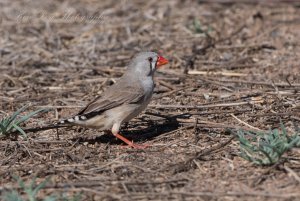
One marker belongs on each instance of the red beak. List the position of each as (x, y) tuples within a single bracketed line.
[(161, 61)]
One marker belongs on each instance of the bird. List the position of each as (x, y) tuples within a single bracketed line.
[(122, 101)]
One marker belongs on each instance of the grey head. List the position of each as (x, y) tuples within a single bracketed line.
[(145, 64)]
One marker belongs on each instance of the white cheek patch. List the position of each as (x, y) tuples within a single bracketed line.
[(153, 65)]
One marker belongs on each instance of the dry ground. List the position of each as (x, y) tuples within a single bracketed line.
[(232, 66)]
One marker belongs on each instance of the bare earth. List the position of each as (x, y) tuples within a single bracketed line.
[(231, 66)]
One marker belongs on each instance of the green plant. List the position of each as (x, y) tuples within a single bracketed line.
[(12, 123), (198, 28), (31, 190), (12, 196), (266, 148)]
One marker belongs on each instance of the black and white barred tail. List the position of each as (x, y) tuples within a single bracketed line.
[(75, 119)]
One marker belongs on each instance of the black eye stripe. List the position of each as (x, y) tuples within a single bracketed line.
[(151, 67), (150, 59)]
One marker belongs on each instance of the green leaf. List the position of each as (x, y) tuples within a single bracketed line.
[(28, 116), (12, 123), (31, 191), (40, 186), (20, 130), (14, 116), (266, 148), (12, 196), (51, 198)]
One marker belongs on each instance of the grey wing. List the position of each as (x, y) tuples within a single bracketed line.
[(115, 96)]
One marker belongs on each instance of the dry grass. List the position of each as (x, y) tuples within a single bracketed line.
[(232, 66)]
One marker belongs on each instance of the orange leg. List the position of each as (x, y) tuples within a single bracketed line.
[(131, 144)]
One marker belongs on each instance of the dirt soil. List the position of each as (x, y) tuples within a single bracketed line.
[(231, 66)]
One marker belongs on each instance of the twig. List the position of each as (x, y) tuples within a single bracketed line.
[(233, 74), (252, 194), (292, 173), (58, 106), (36, 129), (261, 83), (182, 167), (165, 84), (205, 106), (160, 137), (262, 177), (246, 124)]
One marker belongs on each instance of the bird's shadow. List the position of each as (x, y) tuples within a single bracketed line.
[(149, 130)]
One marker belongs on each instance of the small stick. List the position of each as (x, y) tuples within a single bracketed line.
[(58, 106), (204, 106), (195, 72), (261, 83), (36, 129), (165, 84), (292, 172), (182, 167), (246, 124)]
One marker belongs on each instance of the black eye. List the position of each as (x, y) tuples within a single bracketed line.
[(150, 59)]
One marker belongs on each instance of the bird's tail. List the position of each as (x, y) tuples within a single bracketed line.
[(73, 120)]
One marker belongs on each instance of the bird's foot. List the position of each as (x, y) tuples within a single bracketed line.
[(130, 143)]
